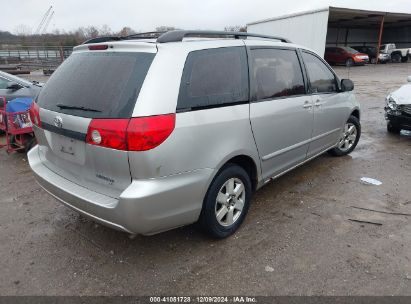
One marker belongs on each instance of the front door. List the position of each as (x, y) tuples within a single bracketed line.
[(330, 110)]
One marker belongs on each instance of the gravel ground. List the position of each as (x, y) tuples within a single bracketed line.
[(296, 240)]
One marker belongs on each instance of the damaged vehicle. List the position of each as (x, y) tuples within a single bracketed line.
[(398, 109)]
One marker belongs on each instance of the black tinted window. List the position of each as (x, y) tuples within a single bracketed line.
[(108, 83), (322, 80), (214, 77), (276, 73)]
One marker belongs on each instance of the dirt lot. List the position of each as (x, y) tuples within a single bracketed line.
[(296, 240)]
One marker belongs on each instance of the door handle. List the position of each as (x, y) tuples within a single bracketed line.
[(307, 105), (318, 103)]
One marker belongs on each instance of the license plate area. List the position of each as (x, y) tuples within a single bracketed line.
[(67, 148)]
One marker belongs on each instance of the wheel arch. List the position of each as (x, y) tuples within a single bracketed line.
[(247, 162), (356, 113)]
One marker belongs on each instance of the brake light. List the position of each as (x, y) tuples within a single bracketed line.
[(135, 134), (99, 47), (34, 113), (146, 133)]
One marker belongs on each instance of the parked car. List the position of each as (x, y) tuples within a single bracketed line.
[(398, 109), (397, 55), (371, 51), (177, 130), (13, 87), (345, 55)]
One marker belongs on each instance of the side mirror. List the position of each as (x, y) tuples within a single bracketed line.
[(14, 86), (347, 85), (409, 78)]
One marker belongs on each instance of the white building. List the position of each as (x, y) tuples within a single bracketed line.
[(334, 26)]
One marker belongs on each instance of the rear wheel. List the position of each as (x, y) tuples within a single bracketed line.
[(349, 137), (396, 57), (393, 128), (349, 62), (226, 203)]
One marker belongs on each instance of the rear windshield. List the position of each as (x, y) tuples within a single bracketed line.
[(96, 85)]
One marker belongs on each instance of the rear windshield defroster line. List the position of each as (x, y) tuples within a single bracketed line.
[(108, 83)]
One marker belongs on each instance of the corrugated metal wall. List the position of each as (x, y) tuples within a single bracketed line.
[(309, 30)]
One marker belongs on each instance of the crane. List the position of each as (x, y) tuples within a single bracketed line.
[(47, 23), (45, 20)]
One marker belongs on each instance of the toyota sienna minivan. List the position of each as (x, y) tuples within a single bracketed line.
[(147, 134)]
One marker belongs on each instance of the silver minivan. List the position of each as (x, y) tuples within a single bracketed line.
[(147, 134)]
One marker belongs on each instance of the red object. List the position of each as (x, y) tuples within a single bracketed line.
[(35, 114), (134, 134), (340, 55), (18, 129), (99, 47)]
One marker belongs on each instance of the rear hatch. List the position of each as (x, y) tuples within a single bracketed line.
[(100, 85)]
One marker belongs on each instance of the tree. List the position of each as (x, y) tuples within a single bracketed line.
[(22, 30), (126, 31), (105, 30), (165, 28)]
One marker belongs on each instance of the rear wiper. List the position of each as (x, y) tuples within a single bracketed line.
[(62, 106)]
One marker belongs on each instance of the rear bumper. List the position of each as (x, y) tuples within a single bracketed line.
[(146, 207)]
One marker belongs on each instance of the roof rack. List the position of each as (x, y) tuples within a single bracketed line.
[(179, 35), (147, 35)]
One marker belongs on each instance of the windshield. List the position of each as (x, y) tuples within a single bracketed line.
[(16, 79), (349, 49), (96, 85)]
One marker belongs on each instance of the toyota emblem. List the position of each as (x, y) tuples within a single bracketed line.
[(58, 122)]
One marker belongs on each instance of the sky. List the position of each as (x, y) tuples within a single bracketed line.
[(146, 15)]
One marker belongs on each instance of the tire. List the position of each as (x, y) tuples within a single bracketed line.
[(404, 59), (373, 60), (228, 204), (393, 129), (349, 139), (396, 58), (349, 62)]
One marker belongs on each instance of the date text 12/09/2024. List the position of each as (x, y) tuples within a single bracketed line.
[(203, 299)]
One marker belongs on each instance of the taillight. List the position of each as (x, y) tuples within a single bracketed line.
[(146, 133), (135, 134), (34, 113), (110, 133)]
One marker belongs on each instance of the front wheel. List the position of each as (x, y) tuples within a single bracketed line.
[(396, 58), (349, 62), (226, 203), (349, 138)]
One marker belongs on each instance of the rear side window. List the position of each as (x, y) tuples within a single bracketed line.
[(214, 77), (276, 73), (322, 80), (96, 85)]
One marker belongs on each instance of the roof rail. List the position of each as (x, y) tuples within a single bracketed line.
[(178, 36), (147, 35)]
